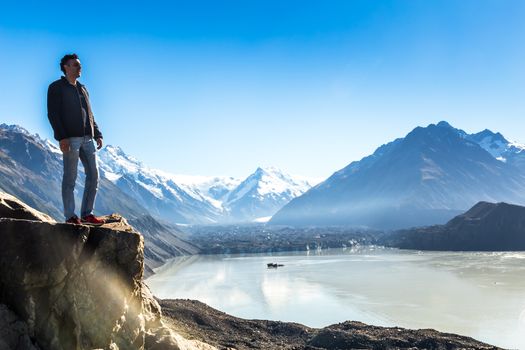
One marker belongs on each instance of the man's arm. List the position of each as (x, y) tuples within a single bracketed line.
[(100, 142), (97, 134), (54, 99)]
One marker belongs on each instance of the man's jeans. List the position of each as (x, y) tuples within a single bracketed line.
[(83, 148)]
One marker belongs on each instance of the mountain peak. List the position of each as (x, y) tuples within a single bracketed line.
[(117, 152), (266, 190), (494, 137), (494, 143), (15, 128), (268, 170), (444, 124), (434, 133)]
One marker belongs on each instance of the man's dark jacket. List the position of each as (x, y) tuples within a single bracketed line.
[(64, 111)]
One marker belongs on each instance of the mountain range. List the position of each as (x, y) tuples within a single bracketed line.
[(427, 177), (32, 171), (201, 199), (431, 175)]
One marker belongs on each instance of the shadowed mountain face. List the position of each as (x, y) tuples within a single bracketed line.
[(485, 227), (431, 175)]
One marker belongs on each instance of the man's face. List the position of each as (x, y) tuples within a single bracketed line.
[(73, 68)]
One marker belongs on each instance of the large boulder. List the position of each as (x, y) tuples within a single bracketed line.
[(66, 286), (12, 207), (77, 287)]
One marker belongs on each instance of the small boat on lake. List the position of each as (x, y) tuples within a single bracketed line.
[(273, 265)]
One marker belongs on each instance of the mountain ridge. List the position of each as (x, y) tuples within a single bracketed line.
[(484, 227), (177, 199), (427, 177)]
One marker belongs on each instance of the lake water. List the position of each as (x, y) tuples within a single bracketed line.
[(478, 294)]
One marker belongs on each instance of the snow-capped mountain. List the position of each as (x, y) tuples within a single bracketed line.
[(157, 190), (427, 177), (214, 188), (263, 193), (200, 199), (500, 148)]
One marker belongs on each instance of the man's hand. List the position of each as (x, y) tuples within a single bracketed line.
[(99, 143), (64, 145)]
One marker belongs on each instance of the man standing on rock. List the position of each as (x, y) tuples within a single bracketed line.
[(69, 112)]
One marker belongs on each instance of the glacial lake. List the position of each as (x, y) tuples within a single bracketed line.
[(477, 294)]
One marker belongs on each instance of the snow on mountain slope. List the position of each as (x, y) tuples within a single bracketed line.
[(207, 189), (215, 188), (156, 189), (179, 198), (17, 129), (207, 199), (269, 181), (497, 145), (263, 193)]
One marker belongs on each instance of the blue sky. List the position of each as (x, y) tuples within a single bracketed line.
[(221, 87)]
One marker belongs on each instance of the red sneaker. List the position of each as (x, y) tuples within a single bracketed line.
[(92, 220), (73, 220)]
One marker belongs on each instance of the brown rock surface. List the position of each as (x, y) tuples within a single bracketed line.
[(197, 320), (12, 207), (76, 286), (14, 333)]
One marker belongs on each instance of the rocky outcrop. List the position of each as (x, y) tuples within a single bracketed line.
[(197, 320), (12, 207), (14, 333), (69, 287), (484, 227), (74, 286)]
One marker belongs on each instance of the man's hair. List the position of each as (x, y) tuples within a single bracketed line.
[(63, 61)]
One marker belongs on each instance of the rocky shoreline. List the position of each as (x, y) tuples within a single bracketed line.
[(199, 321)]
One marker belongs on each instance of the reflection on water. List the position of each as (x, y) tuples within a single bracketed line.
[(478, 294)]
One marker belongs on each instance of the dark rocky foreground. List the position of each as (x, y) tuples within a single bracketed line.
[(65, 287), (80, 287), (194, 319)]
